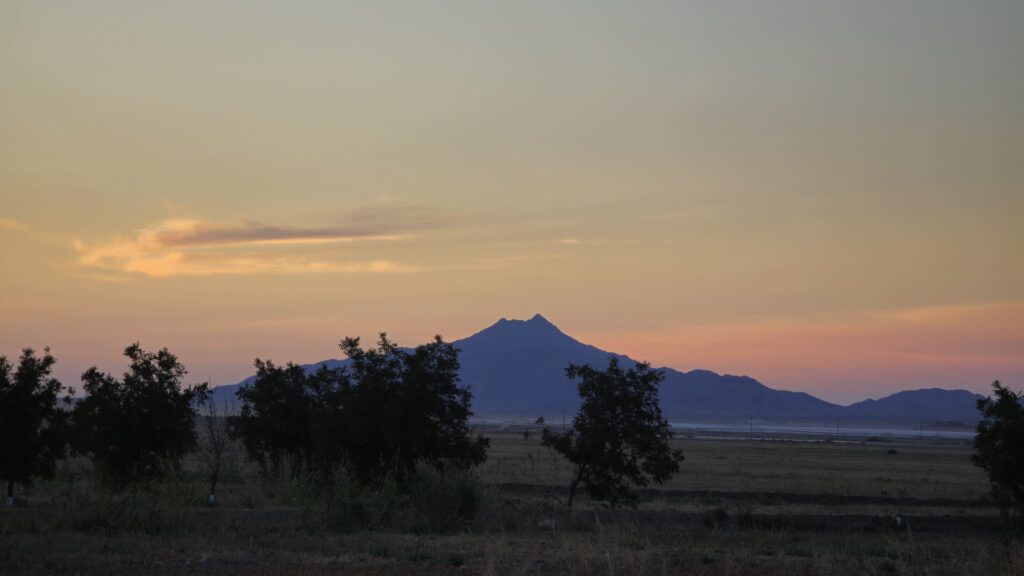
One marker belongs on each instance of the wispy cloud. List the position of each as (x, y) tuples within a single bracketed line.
[(10, 224), (181, 233), (591, 242), (189, 247), (501, 262)]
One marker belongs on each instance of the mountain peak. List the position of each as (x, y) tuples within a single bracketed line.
[(539, 320), (537, 330)]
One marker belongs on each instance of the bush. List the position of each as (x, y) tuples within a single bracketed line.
[(443, 501), (361, 506), (433, 500), (164, 507)]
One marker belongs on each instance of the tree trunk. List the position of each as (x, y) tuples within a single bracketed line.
[(10, 493), (572, 487), (212, 500)]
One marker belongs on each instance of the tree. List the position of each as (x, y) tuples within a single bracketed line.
[(139, 427), (407, 408), (999, 446), (212, 445), (384, 413), (272, 421), (619, 437), (33, 425), (294, 418)]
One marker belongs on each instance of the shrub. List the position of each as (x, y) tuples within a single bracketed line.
[(160, 507), (433, 500), (443, 500)]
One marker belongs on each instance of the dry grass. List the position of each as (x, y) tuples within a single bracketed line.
[(739, 507), (921, 469)]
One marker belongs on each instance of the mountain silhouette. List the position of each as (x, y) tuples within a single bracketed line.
[(926, 406), (517, 369)]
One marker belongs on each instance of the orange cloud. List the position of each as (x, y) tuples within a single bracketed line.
[(9, 224), (184, 247)]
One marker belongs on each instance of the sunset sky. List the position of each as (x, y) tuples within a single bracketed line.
[(826, 196)]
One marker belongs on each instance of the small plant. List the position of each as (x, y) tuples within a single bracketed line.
[(435, 500), (159, 507), (360, 506), (443, 500), (213, 446)]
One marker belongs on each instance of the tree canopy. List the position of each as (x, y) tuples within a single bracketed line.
[(33, 424), (384, 413), (619, 438), (999, 445), (137, 427), (291, 417)]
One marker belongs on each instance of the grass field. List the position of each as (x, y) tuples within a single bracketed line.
[(737, 507)]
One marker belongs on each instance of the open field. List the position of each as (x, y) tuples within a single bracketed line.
[(924, 469), (738, 507)]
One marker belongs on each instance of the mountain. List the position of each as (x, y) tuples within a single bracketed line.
[(517, 369), (927, 406), (704, 395)]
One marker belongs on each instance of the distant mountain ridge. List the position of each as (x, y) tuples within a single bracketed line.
[(925, 406), (517, 369)]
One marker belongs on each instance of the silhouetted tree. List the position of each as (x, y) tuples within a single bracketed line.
[(32, 426), (999, 446), (274, 420), (619, 437), (136, 428), (406, 408), (385, 412)]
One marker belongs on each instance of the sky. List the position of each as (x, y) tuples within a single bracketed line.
[(826, 196)]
